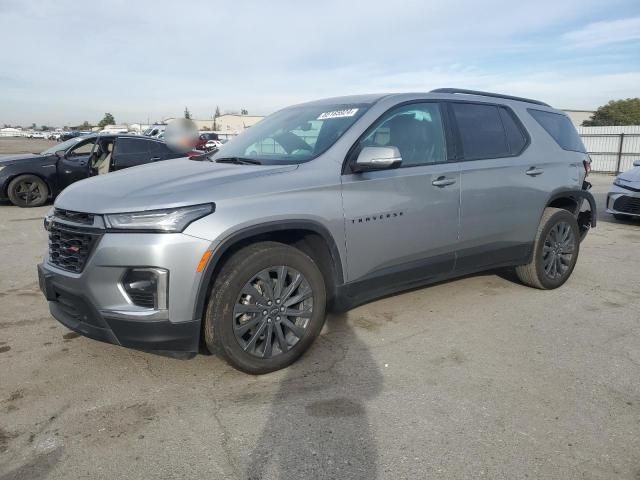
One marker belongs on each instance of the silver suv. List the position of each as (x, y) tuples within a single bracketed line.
[(324, 205)]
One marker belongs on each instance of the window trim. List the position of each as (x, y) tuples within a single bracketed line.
[(460, 157), (529, 110), (351, 156)]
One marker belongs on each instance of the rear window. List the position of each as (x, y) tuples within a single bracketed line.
[(132, 145), (487, 131), (560, 128)]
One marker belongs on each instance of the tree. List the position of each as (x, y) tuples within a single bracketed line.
[(45, 128), (33, 126), (244, 111), (616, 112), (107, 120), (215, 117), (187, 113)]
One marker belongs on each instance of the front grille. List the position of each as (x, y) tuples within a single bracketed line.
[(76, 217), (627, 205), (69, 248)]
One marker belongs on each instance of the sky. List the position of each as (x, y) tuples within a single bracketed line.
[(64, 61)]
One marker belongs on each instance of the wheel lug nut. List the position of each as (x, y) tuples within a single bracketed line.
[(269, 302), (278, 318), (282, 309), (269, 320), (264, 312), (278, 301)]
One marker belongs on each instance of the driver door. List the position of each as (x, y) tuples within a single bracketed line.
[(74, 165)]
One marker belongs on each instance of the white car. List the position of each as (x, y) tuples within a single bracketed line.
[(623, 200), (211, 144), (37, 135)]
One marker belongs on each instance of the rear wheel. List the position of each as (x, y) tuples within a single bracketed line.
[(28, 191), (266, 308), (555, 251)]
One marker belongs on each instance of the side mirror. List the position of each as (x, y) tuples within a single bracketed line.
[(636, 163), (377, 158), (60, 154)]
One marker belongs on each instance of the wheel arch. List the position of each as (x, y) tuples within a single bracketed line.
[(572, 201), (311, 237)]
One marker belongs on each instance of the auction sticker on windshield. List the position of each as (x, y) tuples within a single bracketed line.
[(349, 112)]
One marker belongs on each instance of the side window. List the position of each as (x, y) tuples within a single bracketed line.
[(82, 149), (128, 146), (416, 130), (481, 131), (159, 149), (560, 128), (515, 136)]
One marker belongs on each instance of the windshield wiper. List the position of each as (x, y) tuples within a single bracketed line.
[(239, 161)]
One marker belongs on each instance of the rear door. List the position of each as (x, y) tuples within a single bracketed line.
[(402, 224), (129, 152), (501, 200)]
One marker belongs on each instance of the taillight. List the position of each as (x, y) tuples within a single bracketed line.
[(587, 166)]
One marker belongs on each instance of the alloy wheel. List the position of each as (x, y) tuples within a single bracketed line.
[(29, 192), (558, 250), (272, 312)]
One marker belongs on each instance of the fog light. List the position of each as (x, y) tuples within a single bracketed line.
[(147, 287)]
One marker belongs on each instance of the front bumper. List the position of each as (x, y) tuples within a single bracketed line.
[(94, 304), (621, 201)]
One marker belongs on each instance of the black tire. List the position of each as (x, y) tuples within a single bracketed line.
[(28, 191), (621, 217), (551, 264), (222, 322)]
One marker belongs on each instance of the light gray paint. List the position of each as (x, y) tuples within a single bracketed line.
[(488, 202)]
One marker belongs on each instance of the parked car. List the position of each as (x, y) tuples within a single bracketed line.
[(204, 139), (155, 130), (623, 200), (69, 135), (30, 180), (249, 251)]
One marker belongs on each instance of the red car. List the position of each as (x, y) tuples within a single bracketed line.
[(201, 144)]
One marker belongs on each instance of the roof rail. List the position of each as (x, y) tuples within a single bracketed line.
[(488, 94)]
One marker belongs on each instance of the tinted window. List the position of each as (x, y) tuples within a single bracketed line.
[(481, 131), (132, 145), (159, 149), (416, 130), (515, 136), (560, 128)]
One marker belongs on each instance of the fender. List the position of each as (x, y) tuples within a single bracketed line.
[(578, 195), (259, 229)]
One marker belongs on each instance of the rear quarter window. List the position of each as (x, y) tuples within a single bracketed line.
[(560, 128)]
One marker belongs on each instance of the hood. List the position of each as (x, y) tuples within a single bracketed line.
[(11, 159), (631, 176), (167, 184)]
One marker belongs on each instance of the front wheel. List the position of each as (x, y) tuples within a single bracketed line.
[(555, 251), (266, 308), (28, 191)]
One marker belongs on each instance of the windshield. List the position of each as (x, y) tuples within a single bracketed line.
[(293, 135), (63, 146)]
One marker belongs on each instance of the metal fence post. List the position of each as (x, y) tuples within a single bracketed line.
[(620, 153)]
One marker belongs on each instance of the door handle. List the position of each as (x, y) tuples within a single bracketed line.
[(155, 159), (534, 172), (443, 182), (82, 163)]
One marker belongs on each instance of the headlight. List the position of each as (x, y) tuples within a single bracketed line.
[(166, 220)]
